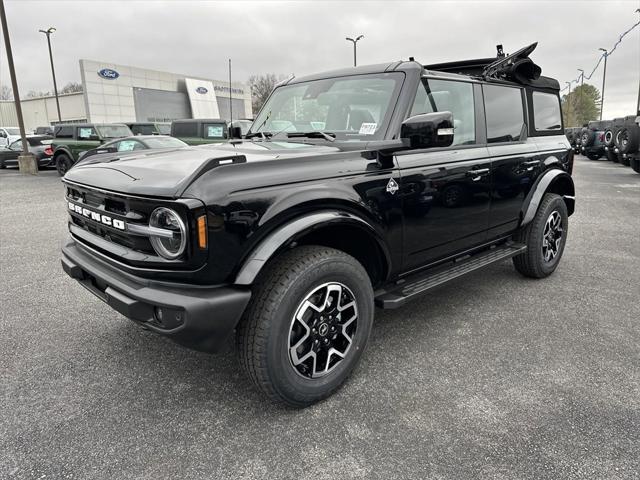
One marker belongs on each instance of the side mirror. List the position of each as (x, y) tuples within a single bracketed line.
[(235, 132), (428, 130)]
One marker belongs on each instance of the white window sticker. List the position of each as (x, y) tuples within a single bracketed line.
[(368, 128)]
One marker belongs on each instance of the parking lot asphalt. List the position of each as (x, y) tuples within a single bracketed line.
[(493, 376)]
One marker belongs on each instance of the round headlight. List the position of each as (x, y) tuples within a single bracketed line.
[(169, 220)]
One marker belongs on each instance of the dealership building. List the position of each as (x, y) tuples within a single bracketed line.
[(118, 93)]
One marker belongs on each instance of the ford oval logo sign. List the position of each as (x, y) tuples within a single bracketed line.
[(201, 90), (108, 74)]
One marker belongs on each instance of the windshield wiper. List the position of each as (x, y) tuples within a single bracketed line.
[(263, 135), (331, 137)]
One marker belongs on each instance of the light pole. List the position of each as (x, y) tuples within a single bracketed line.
[(581, 88), (604, 77), (27, 162), (48, 33), (360, 37), (569, 103)]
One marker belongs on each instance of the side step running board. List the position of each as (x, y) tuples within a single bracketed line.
[(419, 283)]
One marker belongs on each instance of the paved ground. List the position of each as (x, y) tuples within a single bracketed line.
[(494, 376)]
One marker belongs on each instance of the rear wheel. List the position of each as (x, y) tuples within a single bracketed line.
[(63, 164), (545, 238), (593, 156), (307, 324)]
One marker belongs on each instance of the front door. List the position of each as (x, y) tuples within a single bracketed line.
[(445, 193)]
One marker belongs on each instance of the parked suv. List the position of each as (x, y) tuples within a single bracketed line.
[(609, 139), (73, 139), (385, 182), (8, 135), (592, 139), (626, 139), (200, 131)]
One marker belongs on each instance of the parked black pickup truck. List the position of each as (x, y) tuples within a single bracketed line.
[(356, 188)]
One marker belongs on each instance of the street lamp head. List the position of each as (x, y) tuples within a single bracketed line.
[(603, 50), (350, 39), (48, 31), (581, 70), (360, 37)]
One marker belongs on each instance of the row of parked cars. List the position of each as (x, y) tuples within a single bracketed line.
[(66, 144), (618, 140)]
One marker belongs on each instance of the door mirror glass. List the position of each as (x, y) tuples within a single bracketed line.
[(428, 130)]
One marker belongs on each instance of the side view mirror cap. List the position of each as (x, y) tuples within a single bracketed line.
[(428, 130)]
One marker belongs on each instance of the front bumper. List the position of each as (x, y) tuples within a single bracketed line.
[(198, 317)]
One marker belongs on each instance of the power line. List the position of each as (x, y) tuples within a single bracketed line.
[(606, 54)]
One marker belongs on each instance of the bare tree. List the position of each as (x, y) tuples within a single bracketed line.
[(6, 93), (71, 87), (261, 88), (37, 94)]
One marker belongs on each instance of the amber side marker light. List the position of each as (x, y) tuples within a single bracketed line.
[(202, 231)]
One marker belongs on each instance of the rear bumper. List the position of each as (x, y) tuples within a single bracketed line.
[(198, 317)]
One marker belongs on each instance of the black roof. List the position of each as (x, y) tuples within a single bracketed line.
[(200, 120)]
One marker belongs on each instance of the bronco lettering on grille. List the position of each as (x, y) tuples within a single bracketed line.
[(97, 217)]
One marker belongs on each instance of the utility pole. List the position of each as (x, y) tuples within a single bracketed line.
[(581, 89), (230, 101), (604, 77), (27, 160), (48, 33), (354, 41), (569, 103)]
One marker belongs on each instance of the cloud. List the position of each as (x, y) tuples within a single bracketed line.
[(301, 37)]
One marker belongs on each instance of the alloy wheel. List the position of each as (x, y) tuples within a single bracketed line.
[(322, 330), (552, 236)]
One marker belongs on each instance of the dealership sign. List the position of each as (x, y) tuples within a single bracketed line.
[(108, 74), (201, 90)]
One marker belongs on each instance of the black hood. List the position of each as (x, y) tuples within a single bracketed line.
[(167, 173)]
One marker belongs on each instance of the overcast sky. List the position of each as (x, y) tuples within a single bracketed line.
[(196, 37)]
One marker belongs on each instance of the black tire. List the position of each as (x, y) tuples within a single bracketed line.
[(2, 165), (612, 157), (593, 156), (532, 262), (63, 163), (635, 164), (623, 161), (630, 139), (587, 137), (263, 337)]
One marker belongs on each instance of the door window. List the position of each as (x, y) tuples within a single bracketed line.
[(86, 133), (214, 130), (17, 145), (505, 113), (449, 96), (546, 112)]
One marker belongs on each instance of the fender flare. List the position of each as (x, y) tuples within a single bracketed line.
[(60, 150), (295, 228), (534, 197)]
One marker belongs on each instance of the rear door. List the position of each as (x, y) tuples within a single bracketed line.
[(446, 191), (515, 159)]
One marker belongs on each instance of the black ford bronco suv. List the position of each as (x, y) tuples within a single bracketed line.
[(355, 188)]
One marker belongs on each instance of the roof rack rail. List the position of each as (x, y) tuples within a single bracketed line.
[(517, 66)]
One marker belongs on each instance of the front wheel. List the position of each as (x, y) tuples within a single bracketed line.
[(545, 238), (307, 324), (63, 164)]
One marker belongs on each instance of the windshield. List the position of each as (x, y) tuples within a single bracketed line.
[(352, 108), (164, 142), (113, 131), (13, 131)]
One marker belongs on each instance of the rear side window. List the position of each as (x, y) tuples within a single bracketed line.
[(146, 129), (86, 133), (505, 113), (546, 112), (449, 96), (64, 132), (186, 129), (215, 130)]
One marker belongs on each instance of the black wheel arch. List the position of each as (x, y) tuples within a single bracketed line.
[(554, 180), (333, 228)]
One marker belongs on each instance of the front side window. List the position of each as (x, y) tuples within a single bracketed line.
[(13, 131), (449, 96), (86, 133), (63, 132), (505, 113), (351, 108), (164, 142), (185, 129), (546, 112), (214, 130), (17, 145)]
